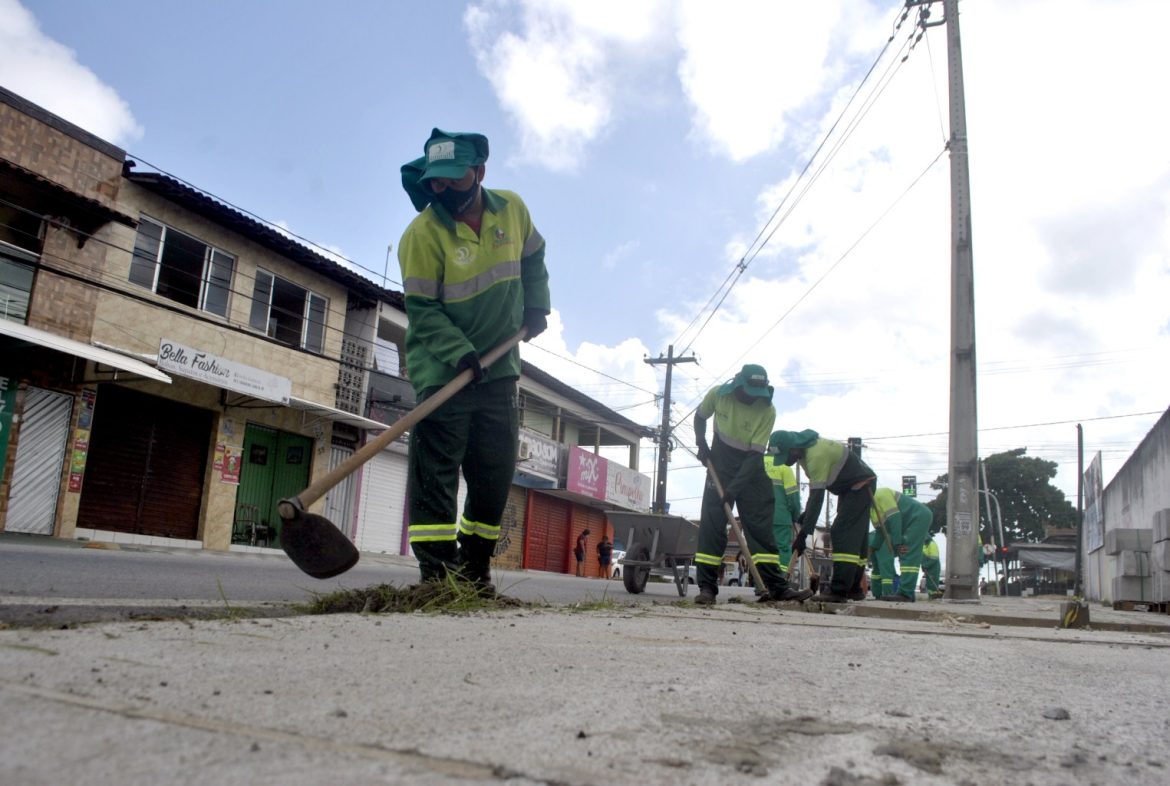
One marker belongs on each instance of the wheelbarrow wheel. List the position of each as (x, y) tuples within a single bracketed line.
[(636, 576)]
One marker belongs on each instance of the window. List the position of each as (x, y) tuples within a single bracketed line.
[(181, 268), (16, 281), (288, 313)]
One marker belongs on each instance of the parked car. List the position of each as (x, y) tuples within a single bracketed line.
[(615, 563)]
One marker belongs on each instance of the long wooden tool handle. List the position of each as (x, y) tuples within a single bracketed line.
[(735, 527), (321, 486)]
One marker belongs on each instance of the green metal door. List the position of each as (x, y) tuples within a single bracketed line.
[(276, 465)]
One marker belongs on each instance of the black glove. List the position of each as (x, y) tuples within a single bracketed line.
[(536, 321), (799, 543), (471, 361), (728, 499), (704, 453)]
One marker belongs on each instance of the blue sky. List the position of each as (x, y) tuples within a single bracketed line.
[(653, 141)]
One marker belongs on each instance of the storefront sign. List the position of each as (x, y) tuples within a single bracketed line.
[(587, 473), (7, 405), (538, 455), (222, 373), (627, 487)]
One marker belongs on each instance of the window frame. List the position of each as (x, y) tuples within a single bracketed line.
[(313, 316), (211, 280)]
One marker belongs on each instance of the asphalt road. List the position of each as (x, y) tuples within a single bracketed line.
[(50, 582)]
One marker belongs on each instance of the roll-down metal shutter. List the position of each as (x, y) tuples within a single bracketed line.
[(40, 457)]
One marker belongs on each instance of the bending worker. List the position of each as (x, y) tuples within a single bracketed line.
[(907, 523), (786, 507), (744, 417), (931, 567), (831, 466), (473, 273)]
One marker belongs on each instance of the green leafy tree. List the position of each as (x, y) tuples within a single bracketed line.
[(1028, 501)]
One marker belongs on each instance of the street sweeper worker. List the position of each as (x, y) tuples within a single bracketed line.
[(931, 566), (831, 466), (786, 507), (744, 416), (473, 273), (907, 523)]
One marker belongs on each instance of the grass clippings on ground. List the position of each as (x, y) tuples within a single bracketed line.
[(436, 597)]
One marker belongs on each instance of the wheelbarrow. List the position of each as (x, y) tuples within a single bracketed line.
[(658, 543)]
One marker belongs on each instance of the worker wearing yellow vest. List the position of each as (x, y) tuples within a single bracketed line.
[(786, 507), (907, 523), (831, 466), (473, 273), (931, 566), (744, 416)]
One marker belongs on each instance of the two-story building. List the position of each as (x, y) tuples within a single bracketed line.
[(171, 367)]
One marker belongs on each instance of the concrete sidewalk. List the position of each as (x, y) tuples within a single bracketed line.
[(643, 694)]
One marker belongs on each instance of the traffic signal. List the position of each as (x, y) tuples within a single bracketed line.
[(910, 485)]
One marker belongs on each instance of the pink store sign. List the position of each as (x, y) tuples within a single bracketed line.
[(587, 473)]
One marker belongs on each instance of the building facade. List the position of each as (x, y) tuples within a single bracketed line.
[(171, 367)]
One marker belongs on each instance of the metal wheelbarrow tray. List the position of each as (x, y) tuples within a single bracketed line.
[(655, 542)]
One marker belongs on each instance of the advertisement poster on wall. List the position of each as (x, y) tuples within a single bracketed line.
[(81, 440), (7, 404), (230, 470)]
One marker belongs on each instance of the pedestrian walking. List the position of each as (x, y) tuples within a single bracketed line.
[(831, 466), (744, 416), (473, 273)]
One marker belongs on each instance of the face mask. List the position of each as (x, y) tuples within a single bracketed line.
[(456, 201)]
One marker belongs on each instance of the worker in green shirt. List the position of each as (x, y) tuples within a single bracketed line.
[(907, 523), (786, 507), (931, 566), (744, 416), (473, 274), (831, 466)]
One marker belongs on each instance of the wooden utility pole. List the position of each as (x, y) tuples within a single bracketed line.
[(664, 431)]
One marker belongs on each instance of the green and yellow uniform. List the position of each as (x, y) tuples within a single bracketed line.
[(466, 291), (931, 565), (737, 455), (830, 466), (884, 575), (786, 507), (907, 522)]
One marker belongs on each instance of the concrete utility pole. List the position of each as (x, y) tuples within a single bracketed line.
[(963, 481), (664, 432)]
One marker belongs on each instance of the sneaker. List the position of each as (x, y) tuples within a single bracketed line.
[(829, 597), (897, 597), (706, 597), (791, 593)]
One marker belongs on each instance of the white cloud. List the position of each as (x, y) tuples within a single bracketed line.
[(47, 73), (555, 67)]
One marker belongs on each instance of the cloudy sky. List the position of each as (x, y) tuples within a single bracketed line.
[(722, 178)]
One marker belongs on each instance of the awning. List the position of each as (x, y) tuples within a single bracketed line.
[(68, 346), (336, 415), (1048, 558)]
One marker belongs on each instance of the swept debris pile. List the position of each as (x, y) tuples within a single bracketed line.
[(438, 597)]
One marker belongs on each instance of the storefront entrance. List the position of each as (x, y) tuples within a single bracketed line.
[(276, 465)]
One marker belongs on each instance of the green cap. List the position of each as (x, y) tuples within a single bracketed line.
[(446, 154), (784, 441), (753, 379)]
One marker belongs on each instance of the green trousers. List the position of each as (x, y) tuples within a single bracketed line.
[(933, 569), (754, 503), (914, 530), (475, 432), (782, 530), (881, 581), (850, 535)]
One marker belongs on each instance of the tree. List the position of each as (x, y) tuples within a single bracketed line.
[(1028, 501)]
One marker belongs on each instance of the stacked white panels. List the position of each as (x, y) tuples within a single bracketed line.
[(1160, 557), (1131, 580)]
